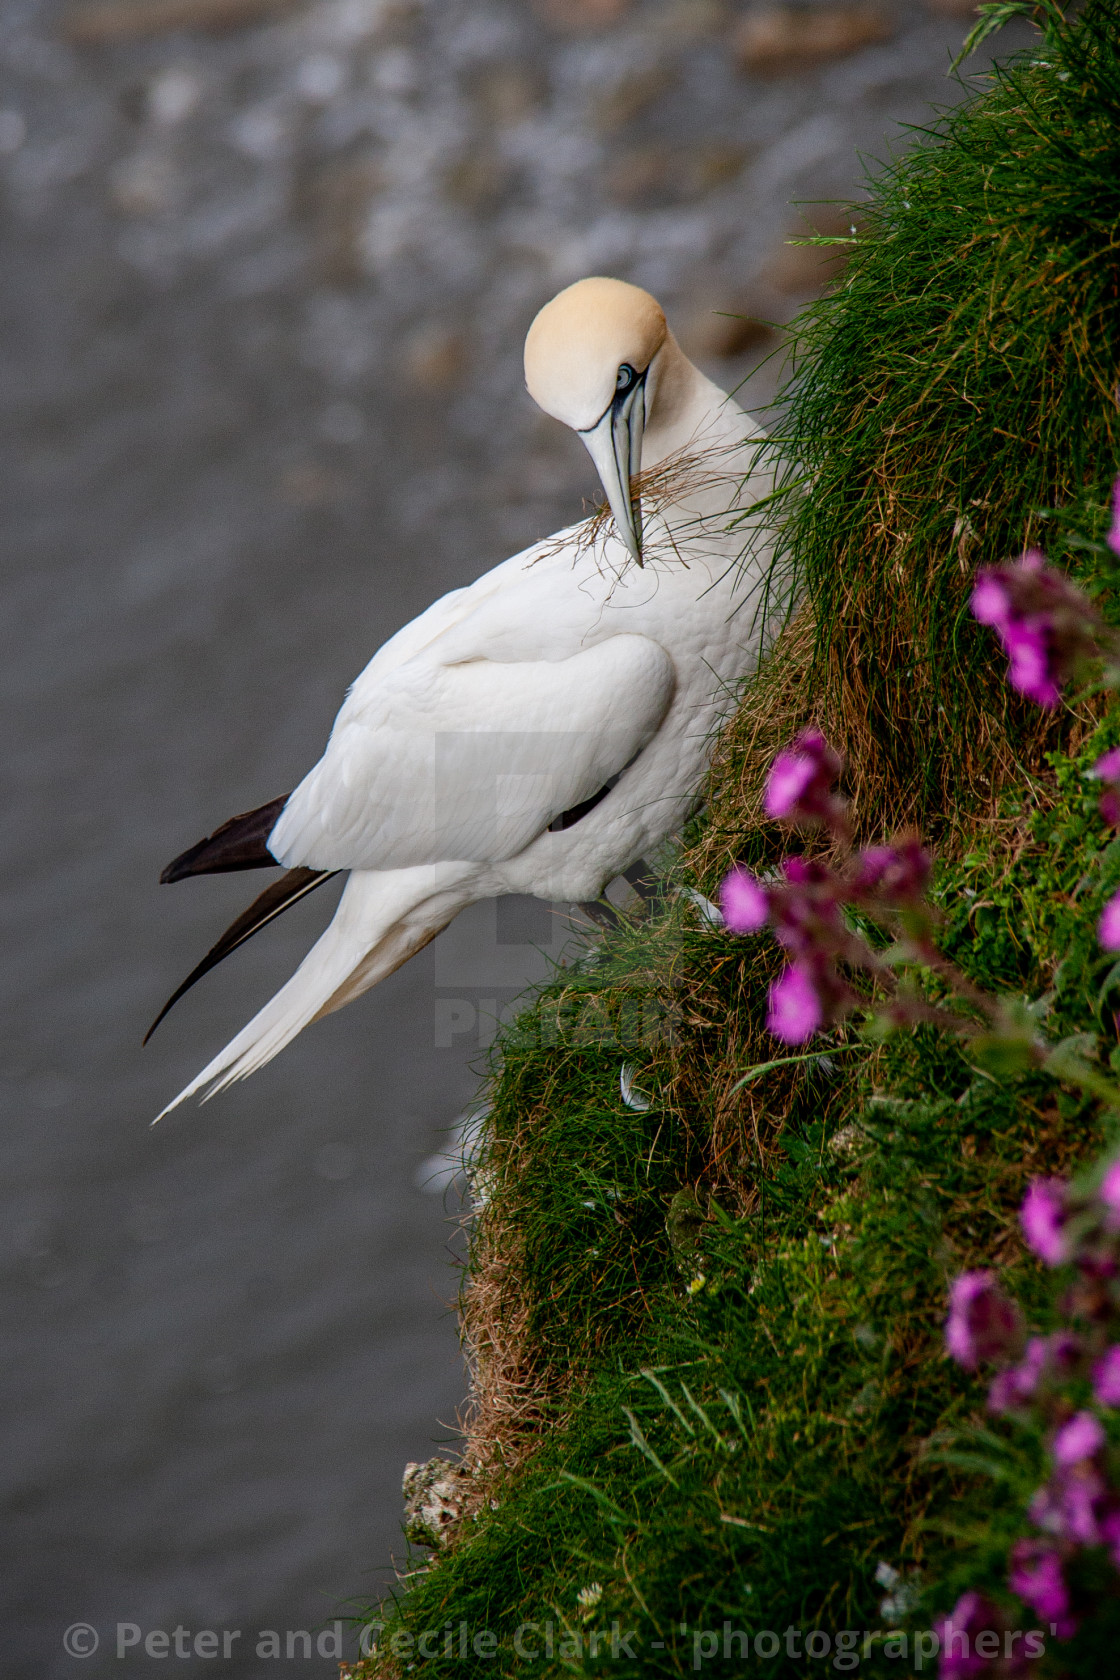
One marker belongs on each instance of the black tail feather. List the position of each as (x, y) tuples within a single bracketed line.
[(292, 886), (238, 844)]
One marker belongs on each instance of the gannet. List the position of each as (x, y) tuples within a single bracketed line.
[(541, 729)]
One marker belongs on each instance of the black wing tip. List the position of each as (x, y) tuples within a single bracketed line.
[(196, 862), (238, 844), (179, 868), (171, 1000), (276, 898)]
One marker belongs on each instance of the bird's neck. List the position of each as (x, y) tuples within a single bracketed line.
[(688, 413)]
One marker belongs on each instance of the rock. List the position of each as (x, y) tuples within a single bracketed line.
[(713, 165), (395, 24), (578, 17), (847, 1142), (629, 97), (649, 177), (435, 358), (337, 200), (262, 132), (433, 1501), (394, 70), (123, 20), (143, 184), (642, 178), (171, 96), (506, 93), (319, 77), (775, 40), (477, 180), (687, 18)]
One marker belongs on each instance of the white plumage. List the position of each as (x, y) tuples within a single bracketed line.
[(607, 651)]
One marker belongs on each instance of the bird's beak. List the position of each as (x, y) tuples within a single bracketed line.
[(615, 446)]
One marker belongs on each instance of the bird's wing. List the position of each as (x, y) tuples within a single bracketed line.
[(471, 761)]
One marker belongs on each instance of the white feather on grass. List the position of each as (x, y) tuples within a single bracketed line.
[(632, 1095)]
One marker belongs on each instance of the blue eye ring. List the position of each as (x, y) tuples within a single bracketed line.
[(626, 379)]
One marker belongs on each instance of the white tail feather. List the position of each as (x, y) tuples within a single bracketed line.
[(382, 919)]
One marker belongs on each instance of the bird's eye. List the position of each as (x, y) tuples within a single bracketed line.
[(626, 378)]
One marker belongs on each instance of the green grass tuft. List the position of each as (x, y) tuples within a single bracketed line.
[(963, 379)]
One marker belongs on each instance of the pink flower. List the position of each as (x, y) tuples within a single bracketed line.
[(1110, 1534), (898, 872), (804, 907), (806, 910), (799, 786), (1106, 1378), (1045, 623), (1027, 645), (983, 1324), (1107, 769), (1068, 1506), (1113, 537), (1036, 1577), (957, 1633), (991, 600), (1078, 1440), (744, 903), (1012, 1389), (796, 1009), (1108, 928), (1042, 1216), (1109, 1194)]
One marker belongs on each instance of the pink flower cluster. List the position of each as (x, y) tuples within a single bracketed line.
[(1048, 627), (976, 1639), (804, 903), (803, 906), (1107, 770), (799, 788), (1045, 623), (1079, 1504)]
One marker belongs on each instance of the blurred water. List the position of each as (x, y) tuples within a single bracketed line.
[(262, 300)]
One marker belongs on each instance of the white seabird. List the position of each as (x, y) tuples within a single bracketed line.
[(538, 731)]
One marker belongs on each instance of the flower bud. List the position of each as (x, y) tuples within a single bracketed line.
[(799, 786), (983, 1325), (744, 903), (1042, 1217)]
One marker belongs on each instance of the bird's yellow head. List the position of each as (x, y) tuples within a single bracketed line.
[(588, 361), (580, 341)]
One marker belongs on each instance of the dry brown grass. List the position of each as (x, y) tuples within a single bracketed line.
[(510, 1395)]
